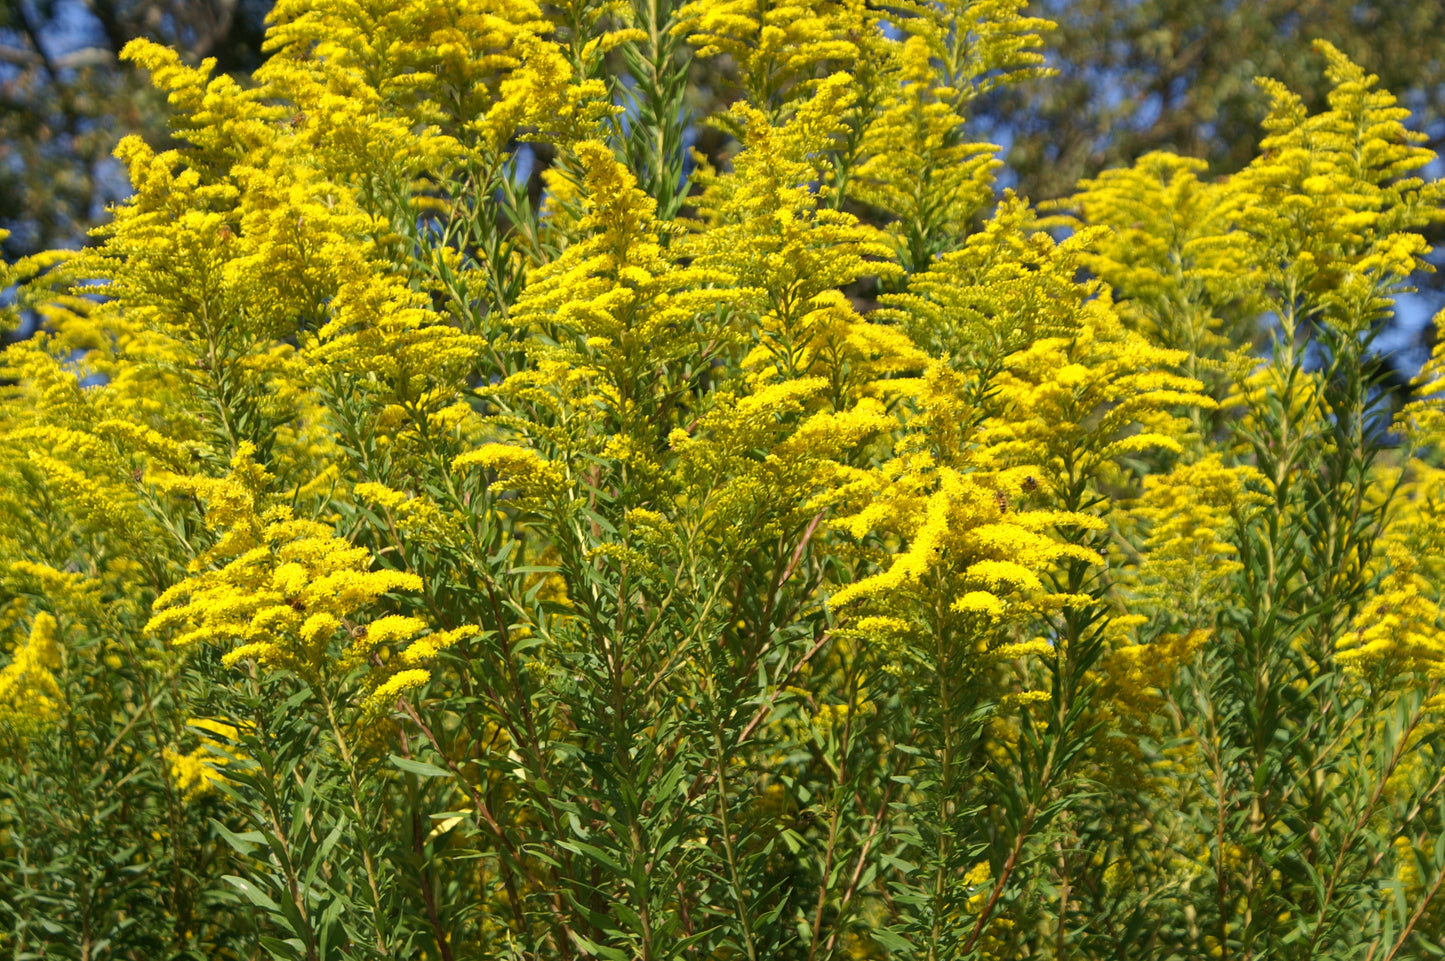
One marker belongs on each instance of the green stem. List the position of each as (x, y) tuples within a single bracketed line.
[(363, 832)]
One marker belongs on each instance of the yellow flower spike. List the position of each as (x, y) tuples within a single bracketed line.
[(777, 46), (47, 581), (1331, 206), (401, 60), (518, 468), (381, 495), (996, 574), (1187, 516), (1135, 676), (384, 332), (194, 774), (980, 602), (990, 43), (199, 772), (351, 589), (1036, 647), (394, 687), (543, 93), (387, 631), (30, 696), (279, 594), (1401, 629), (809, 250), (918, 168), (1039, 391), (1022, 699), (173, 455), (19, 275), (214, 113), (317, 630), (1174, 256)]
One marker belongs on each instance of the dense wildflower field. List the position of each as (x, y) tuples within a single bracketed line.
[(447, 516)]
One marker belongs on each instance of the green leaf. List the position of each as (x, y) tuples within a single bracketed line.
[(419, 768), (251, 893), (244, 843)]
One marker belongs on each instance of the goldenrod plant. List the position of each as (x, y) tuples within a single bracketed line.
[(812, 553)]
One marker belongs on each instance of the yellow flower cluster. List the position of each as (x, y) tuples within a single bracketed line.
[(990, 508), (918, 166), (17, 276), (199, 771), (1401, 629), (280, 591), (1174, 255), (959, 524), (1329, 205), (777, 46), (788, 252), (415, 88), (30, 697), (1398, 635), (617, 297), (1190, 515), (981, 45), (1138, 675)]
